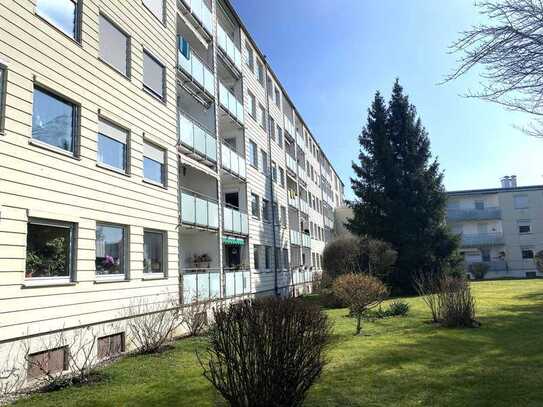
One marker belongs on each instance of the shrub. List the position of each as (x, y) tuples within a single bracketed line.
[(539, 261), (266, 352), (360, 292), (479, 270), (428, 286), (194, 317), (456, 303), (398, 308)]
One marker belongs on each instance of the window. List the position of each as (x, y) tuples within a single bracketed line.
[(112, 145), (284, 216), (274, 171), (479, 205), (255, 206), (54, 120), (252, 104), (277, 98), (267, 257), (48, 362), (271, 126), (260, 72), (282, 177), (154, 164), (277, 258), (156, 7), (256, 258), (262, 116), (313, 260), (524, 227), (280, 136), (153, 252), (266, 210), (249, 57), (285, 259), (153, 75), (3, 84), (264, 162), (521, 201), (110, 346), (253, 157), (110, 250), (63, 14), (114, 46), (527, 254), (277, 220), (269, 87), (49, 250)]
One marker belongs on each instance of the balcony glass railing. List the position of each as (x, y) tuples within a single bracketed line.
[(291, 163), (233, 162), (454, 214), (300, 140), (235, 221), (289, 127), (198, 210), (482, 239), (201, 11), (293, 201), (228, 46), (295, 237), (201, 284), (301, 173), (230, 103), (304, 206), (306, 240), (196, 138), (238, 282), (194, 67)]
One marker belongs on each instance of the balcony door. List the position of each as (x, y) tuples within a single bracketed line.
[(232, 199)]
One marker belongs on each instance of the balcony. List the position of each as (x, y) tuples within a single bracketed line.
[(235, 221), (229, 47), (329, 223), (494, 265), (293, 201), (201, 284), (306, 240), (291, 163), (482, 239), (289, 127), (295, 237), (301, 173), (195, 70), (233, 162), (199, 11), (304, 206), (238, 282), (198, 210), (231, 104), (474, 214), (196, 140), (300, 140)]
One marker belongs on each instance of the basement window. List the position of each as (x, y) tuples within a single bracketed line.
[(47, 363)]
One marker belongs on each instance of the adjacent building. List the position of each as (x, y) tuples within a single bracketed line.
[(147, 152), (501, 227)]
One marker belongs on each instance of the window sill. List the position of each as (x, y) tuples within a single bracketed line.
[(125, 76), (110, 280), (154, 183), (47, 284), (112, 169), (149, 277), (45, 146), (161, 99)]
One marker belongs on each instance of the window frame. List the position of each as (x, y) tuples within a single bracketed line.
[(127, 155), (253, 159), (255, 199), (250, 60), (266, 210), (78, 21), (72, 252), (524, 250), (164, 165), (252, 104), (164, 267), (126, 253), (128, 74), (146, 88), (164, 12), (524, 224), (256, 256), (265, 161), (267, 258), (3, 97)]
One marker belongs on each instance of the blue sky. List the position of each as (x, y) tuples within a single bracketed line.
[(332, 56)]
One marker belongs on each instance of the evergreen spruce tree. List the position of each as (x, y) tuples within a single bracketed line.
[(399, 190)]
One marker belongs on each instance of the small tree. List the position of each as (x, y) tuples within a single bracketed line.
[(266, 352), (479, 270), (360, 292)]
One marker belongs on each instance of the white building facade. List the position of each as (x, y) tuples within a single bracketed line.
[(147, 152)]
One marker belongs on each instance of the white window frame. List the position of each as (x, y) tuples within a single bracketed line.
[(125, 260), (164, 271)]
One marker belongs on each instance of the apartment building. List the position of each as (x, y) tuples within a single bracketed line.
[(501, 227), (147, 152)]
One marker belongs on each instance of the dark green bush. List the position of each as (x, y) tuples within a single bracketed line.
[(479, 270), (398, 308)]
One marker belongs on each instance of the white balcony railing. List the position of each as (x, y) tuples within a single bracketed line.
[(202, 13), (238, 282), (228, 46), (230, 103), (300, 140), (454, 214), (194, 137), (293, 201), (291, 163), (201, 284), (199, 211), (235, 221), (233, 162), (194, 67), (304, 206), (295, 237), (306, 240), (301, 173), (289, 127), (482, 239)]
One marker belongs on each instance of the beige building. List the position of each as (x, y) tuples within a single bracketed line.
[(501, 227), (147, 152)]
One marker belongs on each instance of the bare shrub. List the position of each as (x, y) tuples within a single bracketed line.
[(12, 379), (427, 286), (456, 303), (152, 325), (360, 292), (266, 352), (195, 317)]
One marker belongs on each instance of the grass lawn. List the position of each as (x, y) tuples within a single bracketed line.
[(400, 362)]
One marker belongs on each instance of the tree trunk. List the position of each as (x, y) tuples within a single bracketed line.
[(358, 324)]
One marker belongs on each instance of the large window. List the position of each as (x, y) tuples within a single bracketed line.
[(266, 210), (280, 136), (110, 250), (286, 263), (283, 216), (256, 258), (255, 206), (114, 46), (253, 154), (153, 252), (49, 250), (260, 72), (282, 177), (267, 257), (262, 116), (249, 57), (252, 104), (274, 171), (112, 145), (154, 164), (54, 120), (156, 7), (154, 74), (63, 14), (264, 161)]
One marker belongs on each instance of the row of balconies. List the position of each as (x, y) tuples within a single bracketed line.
[(473, 214), (482, 239), (300, 239)]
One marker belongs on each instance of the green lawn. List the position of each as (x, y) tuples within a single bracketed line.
[(400, 362)]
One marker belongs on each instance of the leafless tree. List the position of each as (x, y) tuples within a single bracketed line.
[(428, 286), (510, 49), (195, 317), (12, 376)]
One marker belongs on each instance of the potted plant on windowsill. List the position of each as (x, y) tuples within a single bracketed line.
[(201, 262)]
